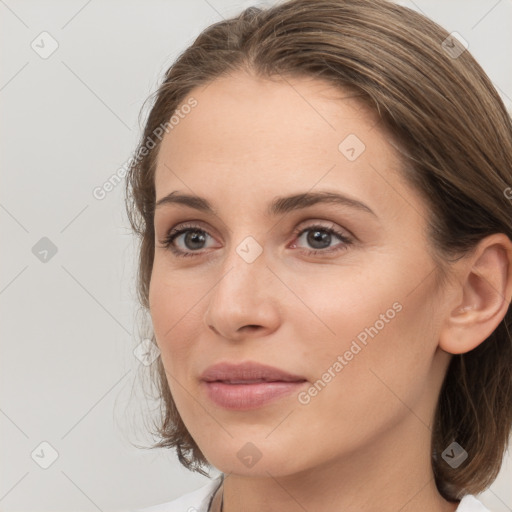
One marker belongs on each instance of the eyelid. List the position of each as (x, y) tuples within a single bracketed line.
[(309, 222), (306, 225), (192, 223), (327, 224)]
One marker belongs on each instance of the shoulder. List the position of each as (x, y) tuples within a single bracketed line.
[(194, 501), (470, 504)]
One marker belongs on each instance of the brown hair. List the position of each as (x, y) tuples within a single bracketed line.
[(455, 135)]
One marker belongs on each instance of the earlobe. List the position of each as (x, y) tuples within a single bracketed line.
[(485, 282)]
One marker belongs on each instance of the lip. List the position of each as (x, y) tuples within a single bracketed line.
[(248, 385), (247, 371)]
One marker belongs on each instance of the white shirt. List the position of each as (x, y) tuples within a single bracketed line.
[(199, 501)]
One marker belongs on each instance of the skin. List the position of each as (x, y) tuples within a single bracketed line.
[(363, 442)]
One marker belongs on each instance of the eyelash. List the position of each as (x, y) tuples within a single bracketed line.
[(174, 233)]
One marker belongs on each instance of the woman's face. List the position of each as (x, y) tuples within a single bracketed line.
[(354, 311)]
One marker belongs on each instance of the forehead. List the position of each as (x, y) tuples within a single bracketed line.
[(250, 134), (240, 112)]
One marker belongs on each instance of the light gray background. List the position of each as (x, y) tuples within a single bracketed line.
[(68, 326)]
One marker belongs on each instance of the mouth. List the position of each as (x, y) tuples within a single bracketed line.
[(248, 385), (247, 372), (245, 395), (253, 381)]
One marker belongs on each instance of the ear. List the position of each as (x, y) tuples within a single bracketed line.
[(483, 295)]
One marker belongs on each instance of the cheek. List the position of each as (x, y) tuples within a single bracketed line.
[(169, 298), (360, 390), (370, 345), (177, 316), (167, 302)]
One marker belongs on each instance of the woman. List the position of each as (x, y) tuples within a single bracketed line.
[(322, 193)]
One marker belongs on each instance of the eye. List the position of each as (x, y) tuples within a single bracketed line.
[(320, 238), (194, 237)]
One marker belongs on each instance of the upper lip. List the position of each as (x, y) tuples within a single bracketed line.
[(247, 371)]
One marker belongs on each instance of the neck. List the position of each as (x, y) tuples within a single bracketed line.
[(391, 474)]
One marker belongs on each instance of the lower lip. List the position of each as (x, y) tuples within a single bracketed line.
[(242, 397)]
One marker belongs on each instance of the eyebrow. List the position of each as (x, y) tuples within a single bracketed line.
[(278, 206)]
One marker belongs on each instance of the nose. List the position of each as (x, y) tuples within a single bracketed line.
[(244, 301)]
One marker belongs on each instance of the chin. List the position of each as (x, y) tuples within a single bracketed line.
[(254, 459), (274, 468)]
